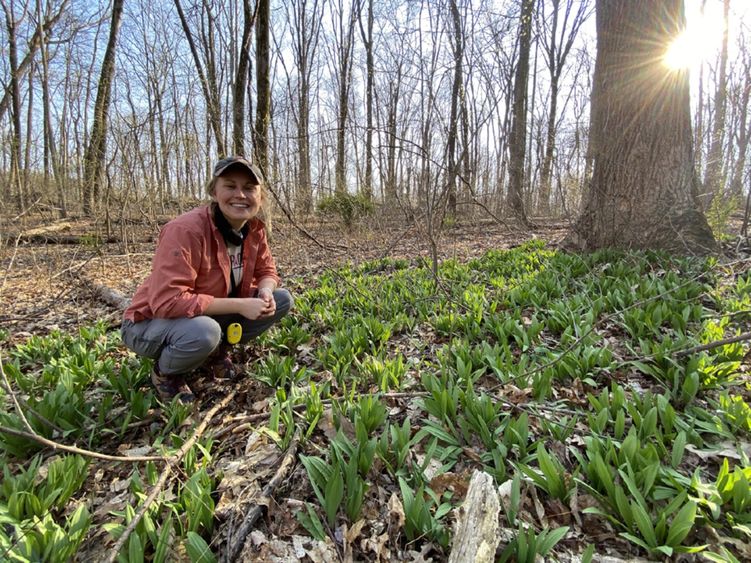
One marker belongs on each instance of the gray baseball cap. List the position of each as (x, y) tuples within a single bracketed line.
[(238, 160)]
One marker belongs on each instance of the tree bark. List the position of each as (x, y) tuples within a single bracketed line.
[(15, 102), (643, 192), (518, 147), (456, 92), (263, 85), (476, 537), (346, 32), (95, 152), (208, 81), (367, 39), (241, 78)]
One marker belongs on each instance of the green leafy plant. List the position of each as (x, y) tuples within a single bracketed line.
[(529, 545), (552, 477), (349, 208), (423, 513)]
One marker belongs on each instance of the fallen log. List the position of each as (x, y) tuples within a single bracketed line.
[(476, 537)]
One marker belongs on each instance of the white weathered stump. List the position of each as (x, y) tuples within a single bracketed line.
[(476, 537)]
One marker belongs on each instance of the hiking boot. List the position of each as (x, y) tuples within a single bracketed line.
[(220, 366), (170, 386)]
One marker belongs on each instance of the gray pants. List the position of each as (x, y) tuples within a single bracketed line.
[(182, 345)]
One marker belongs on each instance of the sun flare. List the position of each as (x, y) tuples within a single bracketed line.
[(697, 43)]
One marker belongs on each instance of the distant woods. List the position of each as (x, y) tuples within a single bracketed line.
[(447, 107)]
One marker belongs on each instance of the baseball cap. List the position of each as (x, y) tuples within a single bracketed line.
[(238, 160)]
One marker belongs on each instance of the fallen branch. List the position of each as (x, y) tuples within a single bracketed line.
[(171, 463), (32, 435), (9, 390), (234, 549), (74, 450), (291, 219), (715, 344)]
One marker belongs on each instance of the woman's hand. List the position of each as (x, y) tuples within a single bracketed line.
[(255, 307), (267, 294)]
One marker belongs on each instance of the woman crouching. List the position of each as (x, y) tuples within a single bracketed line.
[(212, 268)]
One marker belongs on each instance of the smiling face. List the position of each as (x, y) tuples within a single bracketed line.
[(238, 196)]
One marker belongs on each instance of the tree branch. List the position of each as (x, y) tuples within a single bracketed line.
[(171, 463)]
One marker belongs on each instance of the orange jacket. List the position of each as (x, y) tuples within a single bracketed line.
[(191, 267)]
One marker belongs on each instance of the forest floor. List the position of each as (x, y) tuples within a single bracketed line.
[(422, 349), (46, 287)]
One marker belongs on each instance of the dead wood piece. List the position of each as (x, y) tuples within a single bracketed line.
[(110, 296), (234, 549), (49, 238), (476, 537), (715, 344), (74, 450), (171, 463)]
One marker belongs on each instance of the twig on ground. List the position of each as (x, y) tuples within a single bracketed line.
[(234, 549), (10, 264), (599, 322), (171, 463), (397, 240), (715, 344), (74, 450), (32, 434), (10, 392), (288, 214)]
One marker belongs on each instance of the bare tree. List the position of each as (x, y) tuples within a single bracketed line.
[(556, 49), (457, 92), (644, 188), (517, 145), (15, 97), (263, 84), (207, 75), (742, 123), (95, 152), (366, 33), (713, 183), (344, 38), (305, 19)]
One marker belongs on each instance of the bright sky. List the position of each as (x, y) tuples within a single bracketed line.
[(703, 36)]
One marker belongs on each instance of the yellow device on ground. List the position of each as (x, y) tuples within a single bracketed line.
[(234, 333)]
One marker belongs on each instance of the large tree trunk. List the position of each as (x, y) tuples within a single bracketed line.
[(95, 152), (456, 91), (15, 97), (518, 144), (367, 39), (263, 85), (643, 192)]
